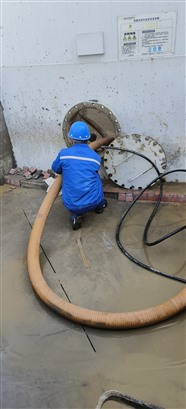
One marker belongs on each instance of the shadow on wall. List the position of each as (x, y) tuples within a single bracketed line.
[(7, 160)]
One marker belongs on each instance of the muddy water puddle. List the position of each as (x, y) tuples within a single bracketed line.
[(117, 283)]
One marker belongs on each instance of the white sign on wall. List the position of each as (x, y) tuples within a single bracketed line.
[(146, 35)]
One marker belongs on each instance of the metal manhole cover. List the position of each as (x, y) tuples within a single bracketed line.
[(129, 170)]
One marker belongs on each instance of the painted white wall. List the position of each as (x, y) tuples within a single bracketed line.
[(42, 77)]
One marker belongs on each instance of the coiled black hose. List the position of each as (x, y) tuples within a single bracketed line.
[(154, 212), (159, 178)]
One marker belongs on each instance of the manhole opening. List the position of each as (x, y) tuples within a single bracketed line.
[(99, 118)]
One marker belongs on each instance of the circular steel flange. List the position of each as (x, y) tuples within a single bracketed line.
[(101, 120), (129, 170)]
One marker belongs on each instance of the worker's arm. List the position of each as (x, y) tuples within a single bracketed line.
[(101, 141), (56, 165)]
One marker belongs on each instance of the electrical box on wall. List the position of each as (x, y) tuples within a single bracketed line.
[(90, 44)]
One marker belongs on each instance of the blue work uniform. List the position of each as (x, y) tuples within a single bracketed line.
[(81, 184)]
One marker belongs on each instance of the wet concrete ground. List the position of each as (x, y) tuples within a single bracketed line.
[(50, 362)]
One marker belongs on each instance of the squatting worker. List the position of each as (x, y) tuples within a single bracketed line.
[(82, 189)]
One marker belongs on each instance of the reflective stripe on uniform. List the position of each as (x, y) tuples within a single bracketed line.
[(80, 158)]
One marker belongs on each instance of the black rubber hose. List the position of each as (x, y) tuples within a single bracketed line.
[(153, 243), (168, 235), (182, 280), (159, 178)]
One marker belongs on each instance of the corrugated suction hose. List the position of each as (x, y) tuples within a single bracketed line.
[(80, 315), (120, 397)]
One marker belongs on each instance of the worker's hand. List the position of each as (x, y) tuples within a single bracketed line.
[(102, 141)]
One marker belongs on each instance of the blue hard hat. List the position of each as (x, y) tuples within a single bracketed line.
[(79, 131)]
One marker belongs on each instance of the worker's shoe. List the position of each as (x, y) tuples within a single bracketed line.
[(99, 209), (77, 222)]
